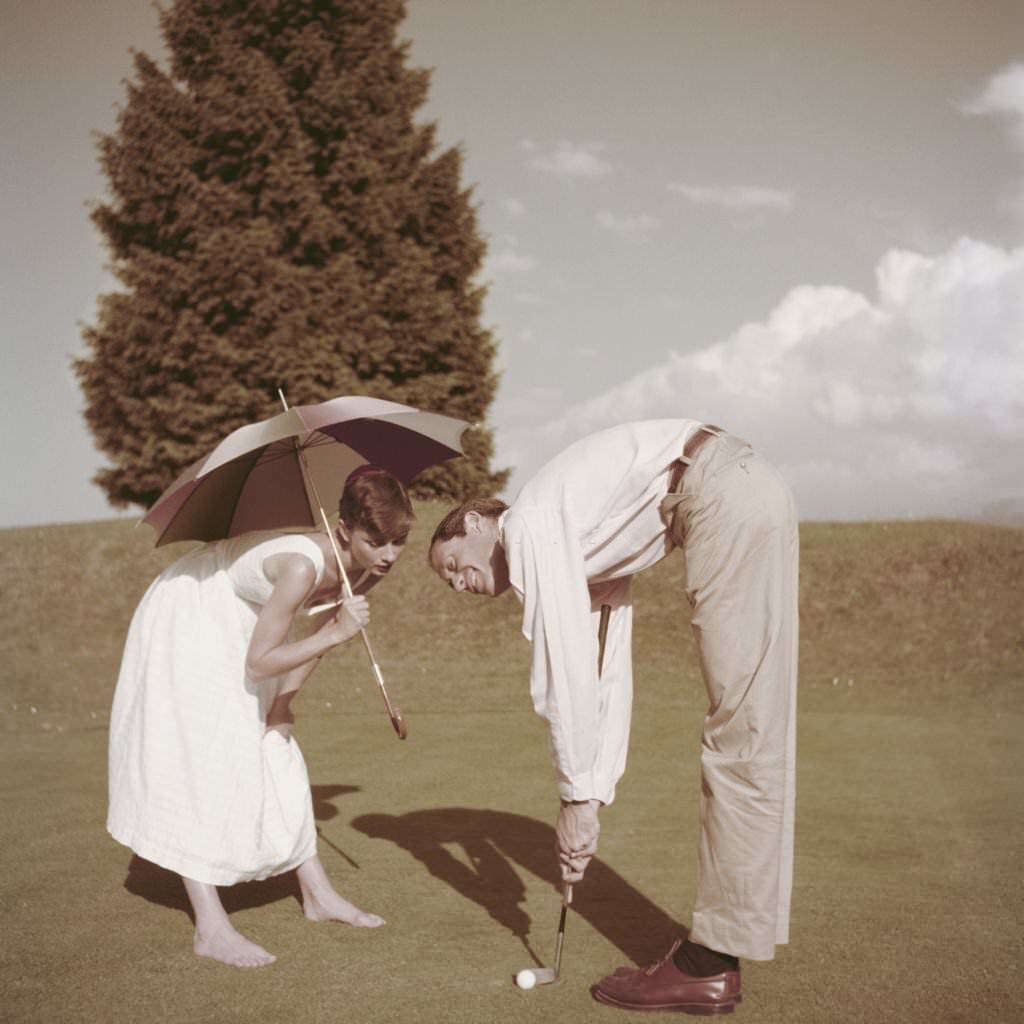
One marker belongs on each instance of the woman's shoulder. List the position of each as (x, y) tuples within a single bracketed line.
[(245, 556), (262, 544)]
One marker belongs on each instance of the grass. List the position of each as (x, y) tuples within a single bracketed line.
[(908, 899)]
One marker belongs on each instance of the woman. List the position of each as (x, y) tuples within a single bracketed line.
[(205, 777)]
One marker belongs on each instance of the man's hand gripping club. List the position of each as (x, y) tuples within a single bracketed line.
[(576, 835)]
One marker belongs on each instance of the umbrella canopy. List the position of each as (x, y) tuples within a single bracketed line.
[(254, 479)]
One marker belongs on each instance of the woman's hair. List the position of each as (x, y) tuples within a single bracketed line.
[(375, 502), (454, 524)]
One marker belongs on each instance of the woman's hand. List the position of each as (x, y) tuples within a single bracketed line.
[(353, 616), (272, 651)]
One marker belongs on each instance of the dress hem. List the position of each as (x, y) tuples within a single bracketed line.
[(172, 860)]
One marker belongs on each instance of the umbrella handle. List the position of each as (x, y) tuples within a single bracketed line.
[(397, 722), (346, 586)]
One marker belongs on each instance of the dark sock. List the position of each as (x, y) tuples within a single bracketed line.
[(700, 962)]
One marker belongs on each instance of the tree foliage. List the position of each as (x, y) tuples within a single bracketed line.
[(279, 219)]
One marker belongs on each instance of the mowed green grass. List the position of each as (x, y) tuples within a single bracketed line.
[(908, 896)]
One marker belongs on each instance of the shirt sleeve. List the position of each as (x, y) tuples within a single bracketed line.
[(588, 716)]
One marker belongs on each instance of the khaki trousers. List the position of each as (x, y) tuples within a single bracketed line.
[(735, 521)]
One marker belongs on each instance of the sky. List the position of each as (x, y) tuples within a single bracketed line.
[(801, 221)]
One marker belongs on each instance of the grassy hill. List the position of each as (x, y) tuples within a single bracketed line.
[(907, 902), (894, 616)]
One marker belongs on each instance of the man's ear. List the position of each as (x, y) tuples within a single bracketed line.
[(472, 522)]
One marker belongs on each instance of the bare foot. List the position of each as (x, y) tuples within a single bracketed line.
[(331, 906), (231, 947)]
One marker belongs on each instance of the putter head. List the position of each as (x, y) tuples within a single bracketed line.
[(531, 976)]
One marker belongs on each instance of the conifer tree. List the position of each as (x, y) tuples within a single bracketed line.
[(280, 219)]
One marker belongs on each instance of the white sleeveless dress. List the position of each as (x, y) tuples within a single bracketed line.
[(197, 784)]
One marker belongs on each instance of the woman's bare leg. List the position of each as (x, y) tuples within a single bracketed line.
[(322, 902), (214, 935)]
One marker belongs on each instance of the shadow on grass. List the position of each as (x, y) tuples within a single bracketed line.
[(495, 840), (494, 843), (163, 887)]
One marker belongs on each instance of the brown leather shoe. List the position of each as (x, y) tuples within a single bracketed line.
[(662, 986)]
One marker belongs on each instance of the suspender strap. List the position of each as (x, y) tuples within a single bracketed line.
[(690, 449)]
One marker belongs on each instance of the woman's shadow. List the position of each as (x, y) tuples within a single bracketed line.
[(163, 887), (493, 841)]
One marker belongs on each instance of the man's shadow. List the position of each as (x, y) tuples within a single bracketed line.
[(163, 887), (493, 841)]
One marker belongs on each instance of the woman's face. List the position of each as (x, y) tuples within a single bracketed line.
[(369, 553)]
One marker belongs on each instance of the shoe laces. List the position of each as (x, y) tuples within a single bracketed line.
[(664, 960)]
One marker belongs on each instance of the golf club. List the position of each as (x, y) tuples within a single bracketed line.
[(531, 976)]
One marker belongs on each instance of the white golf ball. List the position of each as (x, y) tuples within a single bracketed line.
[(526, 979)]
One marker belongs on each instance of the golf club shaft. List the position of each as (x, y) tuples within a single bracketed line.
[(560, 939)]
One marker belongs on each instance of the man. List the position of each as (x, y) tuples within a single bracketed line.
[(609, 506)]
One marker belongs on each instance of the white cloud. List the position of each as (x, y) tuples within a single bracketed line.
[(508, 260), (570, 159), (738, 198), (513, 207), (1002, 95), (627, 224), (533, 405), (507, 257), (910, 401)]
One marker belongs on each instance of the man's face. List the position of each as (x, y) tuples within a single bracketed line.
[(475, 563)]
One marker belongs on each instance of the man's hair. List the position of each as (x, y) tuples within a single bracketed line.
[(454, 524), (376, 502)]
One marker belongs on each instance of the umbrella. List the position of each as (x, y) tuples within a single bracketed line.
[(270, 475), (255, 480)]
